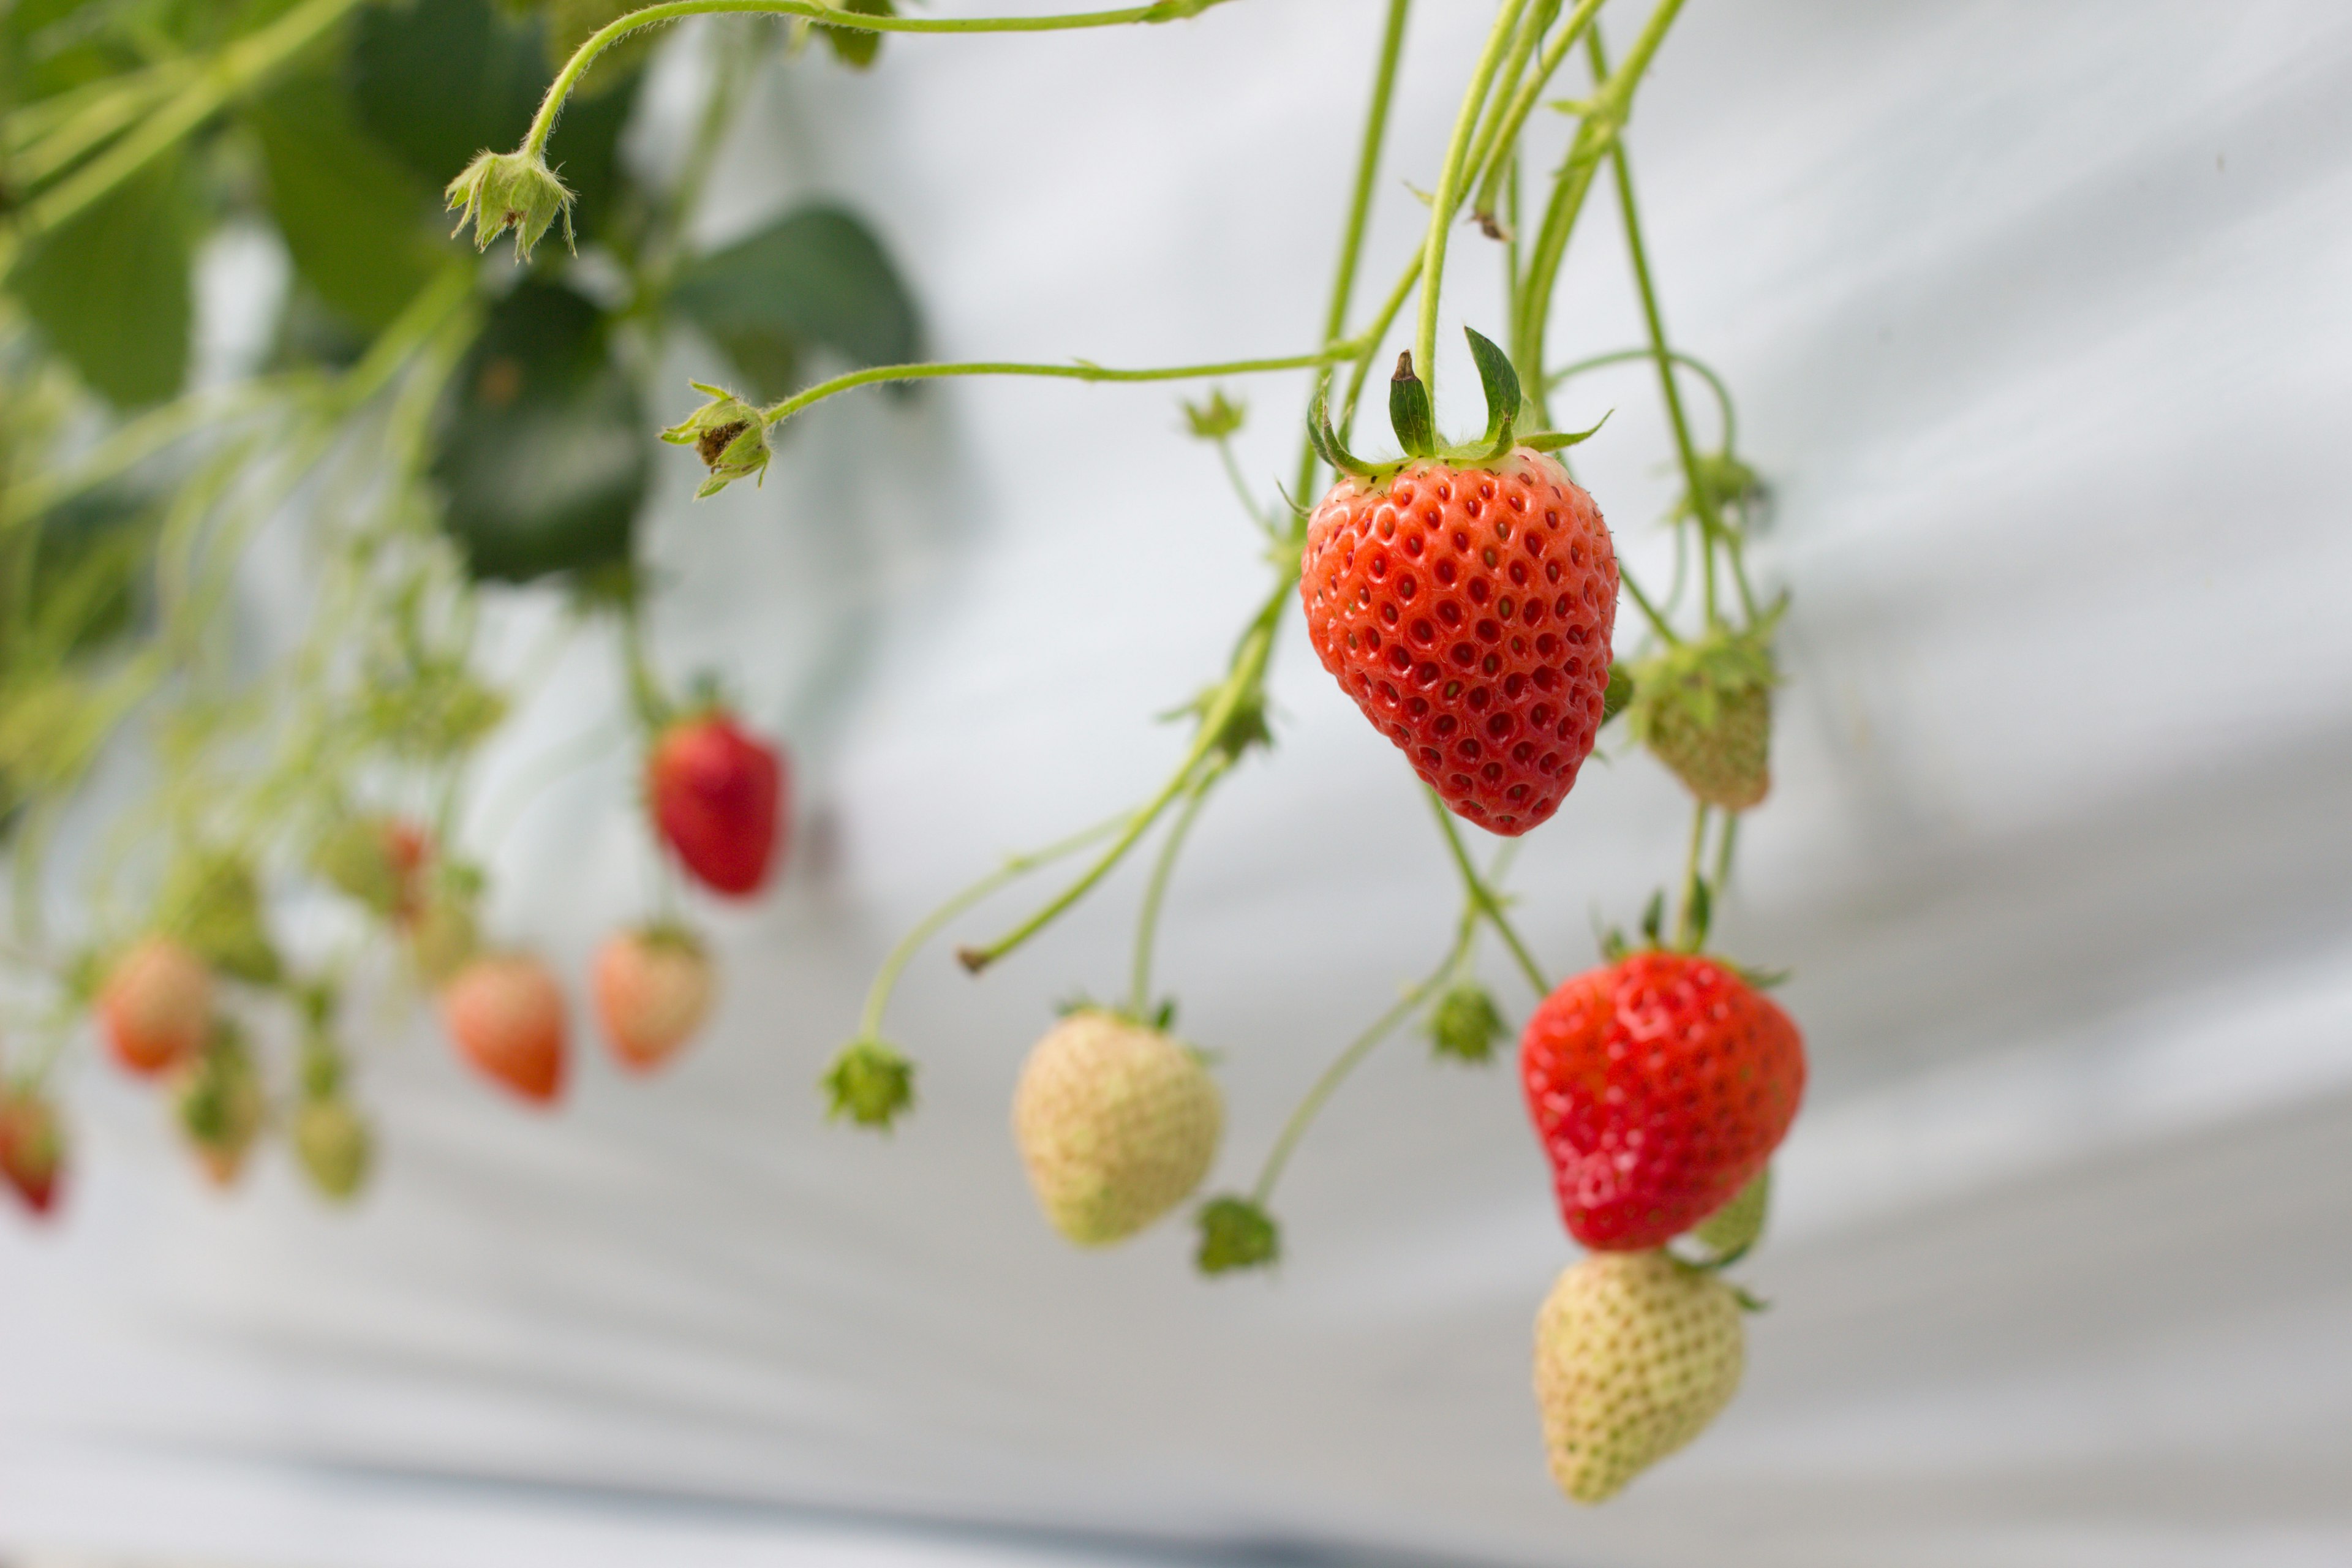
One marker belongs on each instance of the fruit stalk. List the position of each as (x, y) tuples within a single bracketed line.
[(1449, 187)]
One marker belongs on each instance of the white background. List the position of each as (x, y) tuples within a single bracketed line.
[(2039, 318)]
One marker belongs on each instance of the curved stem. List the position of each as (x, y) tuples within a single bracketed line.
[(1348, 1060), (1715, 381), (1483, 899), (873, 375), (886, 979), (1248, 669), (1360, 208), (1449, 190), (544, 124), (1147, 923)]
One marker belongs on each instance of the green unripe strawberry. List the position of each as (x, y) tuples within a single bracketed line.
[(334, 1144), (1116, 1124), (1734, 1227), (1635, 1355), (1705, 709), (221, 1104), (1465, 1024)]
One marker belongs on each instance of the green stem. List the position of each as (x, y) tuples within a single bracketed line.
[(1248, 669), (1533, 23), (1710, 522), (653, 706), (1523, 103), (1371, 342), (1627, 356), (1147, 924), (886, 979), (1449, 189), (877, 374), (1650, 612), (1687, 925), (1595, 134), (1723, 851), (1360, 208), (1348, 1060), (1483, 899), (544, 124)]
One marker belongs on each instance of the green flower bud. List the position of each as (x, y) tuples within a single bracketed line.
[(729, 435), (1236, 1233), (503, 191), (870, 1083), (1465, 1024)]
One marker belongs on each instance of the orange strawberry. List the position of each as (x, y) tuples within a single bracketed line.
[(32, 1147), (506, 1014), (156, 1004), (652, 988)]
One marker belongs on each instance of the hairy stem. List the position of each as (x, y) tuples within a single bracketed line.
[(1449, 189), (1483, 899), (875, 375)]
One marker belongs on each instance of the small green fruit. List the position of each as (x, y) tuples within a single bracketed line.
[(1465, 1024), (335, 1146)]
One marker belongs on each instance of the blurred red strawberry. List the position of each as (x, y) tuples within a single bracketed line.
[(717, 798)]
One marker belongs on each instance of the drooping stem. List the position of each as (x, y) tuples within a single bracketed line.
[(1523, 103), (1359, 211), (875, 375), (1348, 1060), (1706, 371), (1483, 899), (1687, 925), (1155, 893), (544, 124), (1449, 189), (886, 979)]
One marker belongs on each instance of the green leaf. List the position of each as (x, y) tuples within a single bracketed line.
[(439, 80), (353, 217), (1499, 380), (541, 446), (1409, 410), (814, 278), (109, 289), (854, 46)]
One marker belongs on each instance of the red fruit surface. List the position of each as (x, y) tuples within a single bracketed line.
[(156, 1005), (1468, 612), (32, 1149), (717, 797), (653, 990), (1658, 1086), (506, 1014)]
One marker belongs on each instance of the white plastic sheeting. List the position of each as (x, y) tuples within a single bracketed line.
[(2040, 318)]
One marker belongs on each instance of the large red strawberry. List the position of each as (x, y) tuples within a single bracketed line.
[(506, 1014), (652, 988), (1659, 1086), (1465, 602), (718, 796), (156, 1004), (32, 1147)]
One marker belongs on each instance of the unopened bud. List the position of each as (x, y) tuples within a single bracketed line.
[(729, 435), (503, 191)]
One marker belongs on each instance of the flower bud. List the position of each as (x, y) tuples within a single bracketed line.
[(503, 191), (730, 437)]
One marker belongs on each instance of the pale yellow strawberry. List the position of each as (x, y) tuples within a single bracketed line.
[(1635, 1355), (1116, 1124)]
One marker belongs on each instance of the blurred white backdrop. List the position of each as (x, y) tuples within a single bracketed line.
[(2038, 316)]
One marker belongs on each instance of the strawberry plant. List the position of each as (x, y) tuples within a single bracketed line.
[(1464, 590)]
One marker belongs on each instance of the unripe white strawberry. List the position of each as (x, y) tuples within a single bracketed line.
[(1635, 1353), (652, 989), (1116, 1124)]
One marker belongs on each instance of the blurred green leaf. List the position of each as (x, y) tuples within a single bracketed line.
[(542, 449), (353, 217), (814, 278), (855, 46), (109, 289), (437, 81)]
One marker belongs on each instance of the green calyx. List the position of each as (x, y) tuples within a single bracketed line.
[(1236, 1233), (503, 191), (1413, 417), (1465, 1024), (729, 435), (869, 1082), (335, 1145), (1215, 419)]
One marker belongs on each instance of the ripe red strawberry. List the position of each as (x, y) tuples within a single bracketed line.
[(652, 989), (505, 1015), (1468, 612), (1659, 1086), (32, 1147), (156, 1004), (717, 797)]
